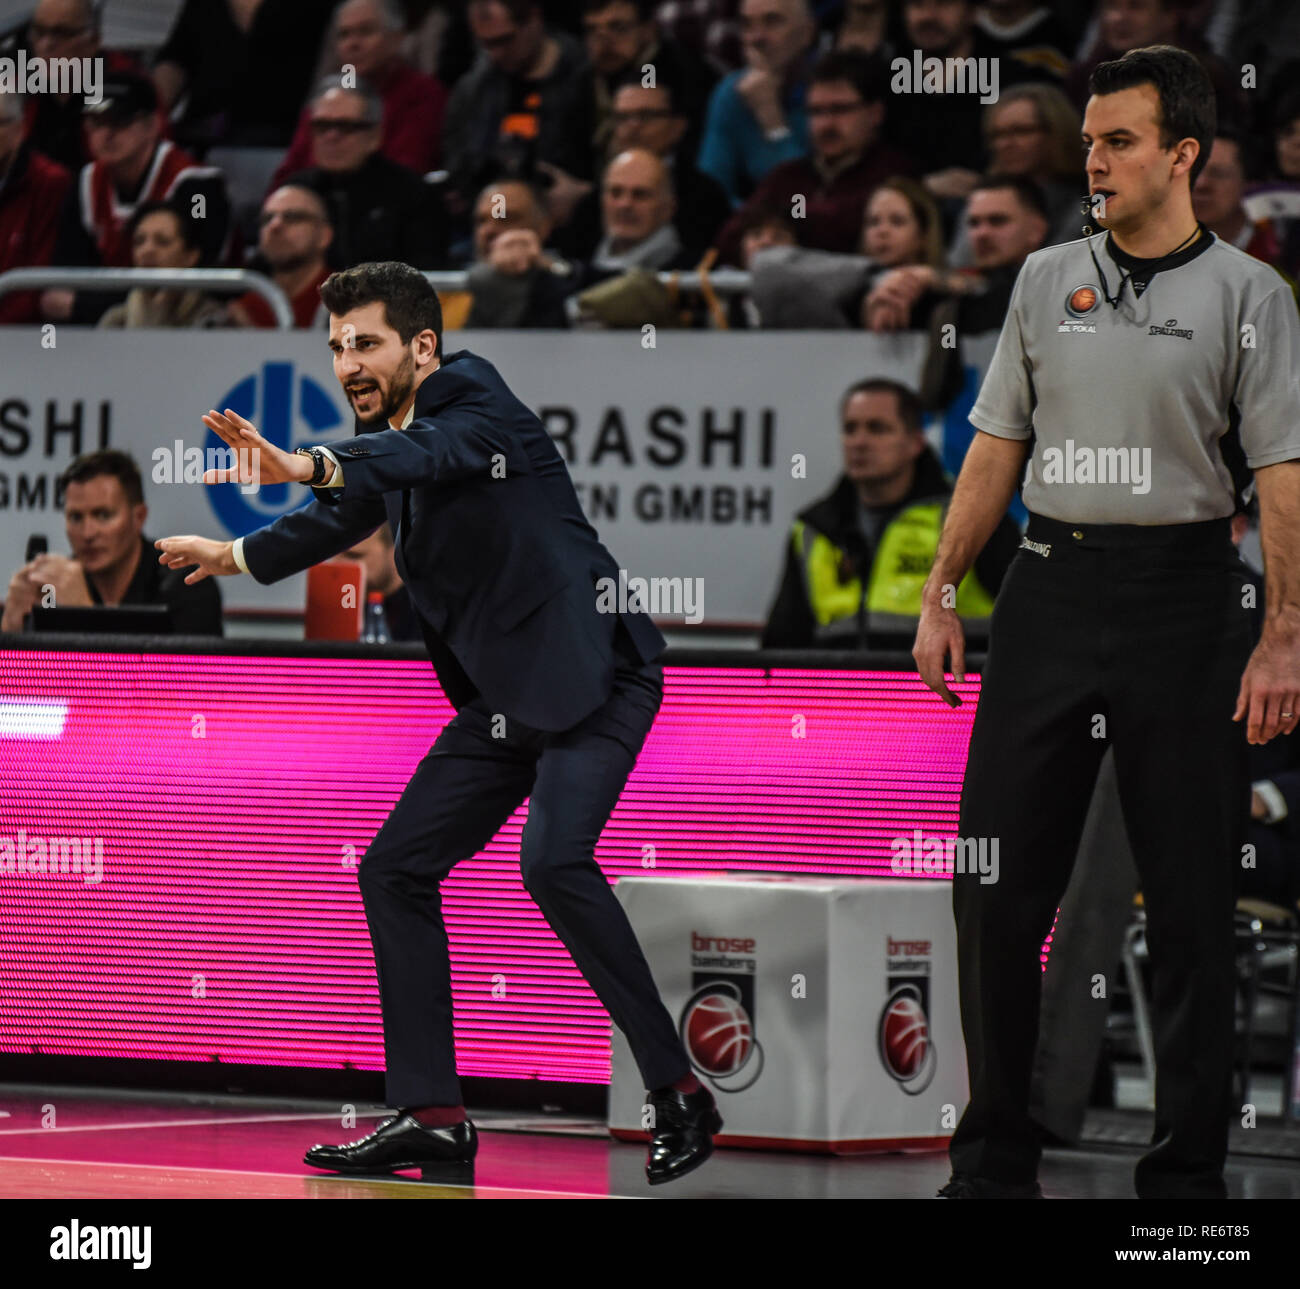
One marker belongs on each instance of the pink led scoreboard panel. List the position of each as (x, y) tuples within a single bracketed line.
[(229, 799)]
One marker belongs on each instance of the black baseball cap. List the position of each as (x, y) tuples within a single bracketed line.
[(126, 96)]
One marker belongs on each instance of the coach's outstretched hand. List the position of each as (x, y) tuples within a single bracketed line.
[(939, 635), (256, 461), (212, 557)]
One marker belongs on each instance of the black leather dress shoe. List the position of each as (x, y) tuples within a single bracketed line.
[(964, 1186), (683, 1133), (401, 1141)]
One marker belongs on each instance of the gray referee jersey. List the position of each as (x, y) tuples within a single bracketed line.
[(1137, 410)]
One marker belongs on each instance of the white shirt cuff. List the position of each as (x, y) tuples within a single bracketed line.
[(1273, 799), (237, 550), (336, 479)]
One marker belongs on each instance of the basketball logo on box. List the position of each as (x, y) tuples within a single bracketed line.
[(717, 1022), (903, 1034)]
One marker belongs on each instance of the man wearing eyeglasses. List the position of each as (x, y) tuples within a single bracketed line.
[(380, 210), (845, 106), (66, 29), (294, 234), (623, 40)]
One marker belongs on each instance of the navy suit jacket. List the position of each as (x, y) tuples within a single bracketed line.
[(502, 570)]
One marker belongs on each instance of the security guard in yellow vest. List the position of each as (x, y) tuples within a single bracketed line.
[(856, 560)]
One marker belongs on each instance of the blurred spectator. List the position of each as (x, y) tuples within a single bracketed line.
[(827, 191), (112, 561), (942, 131), (710, 27), (236, 72), (1286, 138), (857, 559), (761, 227), (1266, 35), (1134, 24), (1216, 201), (622, 41), (525, 107), (1007, 219), (1033, 131), (756, 116), (131, 165), (637, 208), (1027, 33), (367, 38), (32, 192), (163, 237), (652, 119), (794, 287), (375, 555), (1277, 197), (295, 234), (66, 29), (515, 281), (865, 27), (379, 210)]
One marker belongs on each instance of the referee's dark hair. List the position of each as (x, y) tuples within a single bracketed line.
[(411, 305), (1186, 94), (909, 404)]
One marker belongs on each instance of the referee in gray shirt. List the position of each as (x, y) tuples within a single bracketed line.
[(1141, 375)]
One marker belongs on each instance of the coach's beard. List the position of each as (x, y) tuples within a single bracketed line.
[(399, 390)]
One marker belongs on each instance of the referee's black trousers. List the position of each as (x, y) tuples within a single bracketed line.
[(463, 790), (1134, 637)]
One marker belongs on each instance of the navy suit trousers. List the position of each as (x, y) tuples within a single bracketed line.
[(463, 790)]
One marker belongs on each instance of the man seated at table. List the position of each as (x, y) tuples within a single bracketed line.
[(375, 555), (112, 560)]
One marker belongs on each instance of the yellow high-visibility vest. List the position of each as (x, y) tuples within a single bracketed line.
[(900, 565)]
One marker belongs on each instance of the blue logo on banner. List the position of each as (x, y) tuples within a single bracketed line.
[(288, 411)]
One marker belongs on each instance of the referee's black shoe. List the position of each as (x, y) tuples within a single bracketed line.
[(964, 1186), (684, 1124), (402, 1141)]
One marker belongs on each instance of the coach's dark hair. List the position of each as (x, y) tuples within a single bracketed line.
[(107, 461), (1028, 193), (1185, 90), (865, 72), (410, 304), (909, 405)]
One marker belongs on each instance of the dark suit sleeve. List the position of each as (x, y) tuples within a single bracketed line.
[(790, 621), (457, 444), (310, 534), (992, 562)]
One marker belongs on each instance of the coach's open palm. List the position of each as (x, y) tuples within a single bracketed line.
[(212, 557), (256, 461)]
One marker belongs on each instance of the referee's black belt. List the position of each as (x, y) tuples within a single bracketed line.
[(1207, 535)]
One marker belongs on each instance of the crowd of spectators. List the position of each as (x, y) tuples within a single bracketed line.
[(564, 154)]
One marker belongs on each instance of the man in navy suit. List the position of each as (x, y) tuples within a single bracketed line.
[(553, 697)]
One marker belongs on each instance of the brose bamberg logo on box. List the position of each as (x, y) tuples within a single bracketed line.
[(903, 1032), (716, 1023)]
